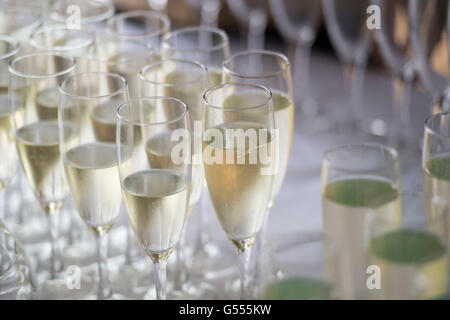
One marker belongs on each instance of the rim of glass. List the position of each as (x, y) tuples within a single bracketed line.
[(15, 46), (164, 84), (152, 98), (227, 64), (37, 17), (51, 28), (63, 91), (56, 15), (148, 51), (388, 149), (139, 13), (236, 84), (46, 76), (222, 34), (431, 130)]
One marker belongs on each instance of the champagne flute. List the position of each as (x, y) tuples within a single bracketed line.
[(141, 25), (272, 70), (346, 25), (395, 47), (428, 22), (435, 163), (38, 143), (9, 47), (155, 186), (185, 80), (90, 162), (82, 14), (355, 177), (209, 46), (122, 56), (239, 119), (252, 16), (298, 22)]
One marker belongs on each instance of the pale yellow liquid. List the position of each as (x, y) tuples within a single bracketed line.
[(239, 192), (283, 108), (8, 157), (156, 202), (159, 151), (38, 148), (47, 104), (413, 265), (348, 221), (436, 183), (93, 177)]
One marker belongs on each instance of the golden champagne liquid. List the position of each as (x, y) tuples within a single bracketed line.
[(348, 221), (38, 148), (240, 193), (93, 178), (156, 202)]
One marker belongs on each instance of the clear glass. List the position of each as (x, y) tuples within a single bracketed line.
[(33, 78), (121, 56), (89, 155), (185, 80), (9, 48), (64, 40), (19, 23), (141, 25), (252, 17), (155, 164), (346, 25), (353, 178), (208, 45), (411, 258), (239, 119), (92, 13), (272, 70), (395, 46), (298, 22), (428, 21), (435, 160)]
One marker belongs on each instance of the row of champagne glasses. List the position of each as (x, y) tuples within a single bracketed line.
[(52, 42)]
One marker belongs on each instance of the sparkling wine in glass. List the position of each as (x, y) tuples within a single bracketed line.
[(156, 185)]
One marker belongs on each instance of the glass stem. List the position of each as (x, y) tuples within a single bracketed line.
[(354, 76), (2, 204), (104, 287), (210, 12), (401, 87), (244, 263), (257, 28), (301, 77), (56, 265), (160, 268)]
